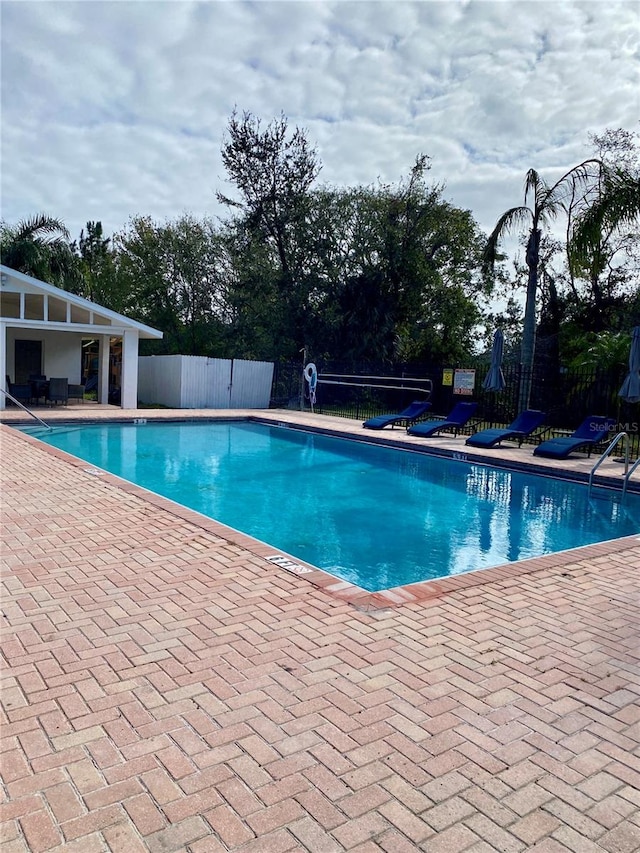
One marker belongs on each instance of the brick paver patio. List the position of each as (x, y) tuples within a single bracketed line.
[(167, 689)]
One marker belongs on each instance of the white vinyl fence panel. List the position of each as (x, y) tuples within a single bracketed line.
[(251, 384), (205, 382), (159, 380), (195, 382)]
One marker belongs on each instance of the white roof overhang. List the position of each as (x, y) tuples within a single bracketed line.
[(112, 323)]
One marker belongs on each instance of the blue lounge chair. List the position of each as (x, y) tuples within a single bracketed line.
[(526, 423), (458, 417), (406, 417), (591, 432)]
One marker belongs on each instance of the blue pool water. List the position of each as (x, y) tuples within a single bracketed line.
[(375, 516)]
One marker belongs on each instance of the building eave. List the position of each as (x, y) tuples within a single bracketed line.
[(120, 322)]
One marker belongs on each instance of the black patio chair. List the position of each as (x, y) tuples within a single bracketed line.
[(76, 392), (20, 392), (58, 391)]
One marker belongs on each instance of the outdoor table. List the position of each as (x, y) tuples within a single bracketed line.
[(39, 388)]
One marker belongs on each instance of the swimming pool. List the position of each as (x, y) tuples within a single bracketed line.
[(375, 516)]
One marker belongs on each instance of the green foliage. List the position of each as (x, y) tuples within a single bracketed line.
[(97, 264), (603, 350), (352, 274), (604, 243), (253, 314), (393, 272), (39, 246), (169, 273), (273, 170)]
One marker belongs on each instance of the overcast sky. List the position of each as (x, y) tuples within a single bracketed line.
[(113, 109)]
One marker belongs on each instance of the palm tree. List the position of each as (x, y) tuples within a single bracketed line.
[(602, 228), (547, 202), (39, 246), (616, 206)]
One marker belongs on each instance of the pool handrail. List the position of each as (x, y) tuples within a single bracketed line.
[(610, 447), (28, 411), (627, 477)]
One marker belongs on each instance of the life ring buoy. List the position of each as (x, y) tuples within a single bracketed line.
[(311, 375)]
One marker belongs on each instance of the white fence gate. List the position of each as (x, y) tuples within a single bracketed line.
[(196, 382)]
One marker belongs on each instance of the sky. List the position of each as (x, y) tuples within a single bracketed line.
[(117, 109)]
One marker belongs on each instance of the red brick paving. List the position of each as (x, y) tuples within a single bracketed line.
[(167, 689)]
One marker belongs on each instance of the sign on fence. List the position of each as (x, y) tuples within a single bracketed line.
[(464, 381)]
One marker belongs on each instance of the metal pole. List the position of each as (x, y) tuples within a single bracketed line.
[(28, 411)]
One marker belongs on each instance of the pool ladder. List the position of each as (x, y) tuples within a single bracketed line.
[(621, 436)]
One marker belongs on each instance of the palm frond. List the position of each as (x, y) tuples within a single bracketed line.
[(549, 211), (617, 206), (535, 186), (589, 172), (41, 224), (620, 201), (512, 220)]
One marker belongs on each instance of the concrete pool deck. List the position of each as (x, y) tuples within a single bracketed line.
[(167, 688)]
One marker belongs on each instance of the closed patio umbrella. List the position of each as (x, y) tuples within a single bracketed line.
[(630, 390), (494, 380)]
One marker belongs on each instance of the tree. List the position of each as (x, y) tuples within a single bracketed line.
[(273, 174), (604, 253), (273, 169), (248, 284), (547, 202), (170, 275), (192, 252), (97, 262), (603, 239), (616, 206), (39, 246), (394, 273)]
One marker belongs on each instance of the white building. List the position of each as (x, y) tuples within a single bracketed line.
[(43, 330)]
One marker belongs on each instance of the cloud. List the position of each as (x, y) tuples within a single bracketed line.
[(112, 109)]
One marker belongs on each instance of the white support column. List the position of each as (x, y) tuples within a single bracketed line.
[(129, 380), (103, 369), (3, 363)]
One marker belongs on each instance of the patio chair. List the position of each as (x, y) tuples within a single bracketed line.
[(523, 426), (457, 418), (406, 417), (76, 392), (592, 431), (20, 392), (58, 391)]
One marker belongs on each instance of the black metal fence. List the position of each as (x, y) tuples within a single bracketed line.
[(567, 396)]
